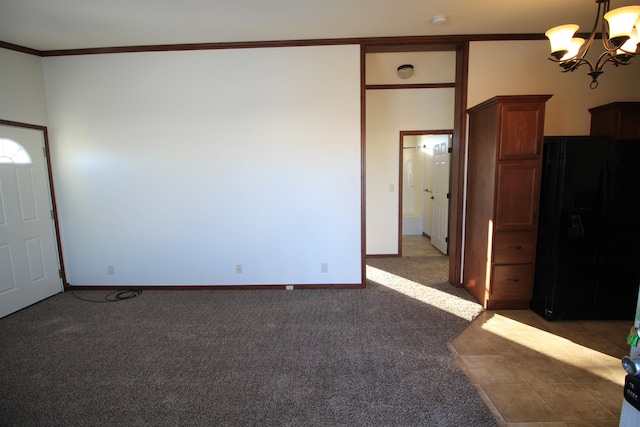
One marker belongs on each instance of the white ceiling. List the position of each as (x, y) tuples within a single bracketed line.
[(74, 24)]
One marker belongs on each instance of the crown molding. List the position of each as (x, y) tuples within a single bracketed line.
[(370, 44)]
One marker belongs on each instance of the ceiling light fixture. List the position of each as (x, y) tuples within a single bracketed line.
[(405, 71), (619, 30)]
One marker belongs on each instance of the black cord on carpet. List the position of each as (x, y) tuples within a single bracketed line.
[(114, 296)]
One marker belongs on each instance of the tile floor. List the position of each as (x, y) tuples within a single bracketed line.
[(535, 373)]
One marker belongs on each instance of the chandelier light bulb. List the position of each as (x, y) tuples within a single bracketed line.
[(621, 22), (560, 38), (573, 48), (631, 45)]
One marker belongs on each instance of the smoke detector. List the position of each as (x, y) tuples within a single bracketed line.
[(439, 20)]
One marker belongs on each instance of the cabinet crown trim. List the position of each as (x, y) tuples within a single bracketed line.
[(509, 98), (618, 105)]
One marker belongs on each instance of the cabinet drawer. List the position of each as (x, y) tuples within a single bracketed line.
[(512, 281), (514, 247)]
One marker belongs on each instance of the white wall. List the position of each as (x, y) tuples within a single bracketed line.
[(116, 116), (174, 167), (412, 185), (412, 176), (429, 67), (521, 68), (22, 95)]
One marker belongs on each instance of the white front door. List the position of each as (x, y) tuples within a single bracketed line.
[(440, 228), (29, 262)]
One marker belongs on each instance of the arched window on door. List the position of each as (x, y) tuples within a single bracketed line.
[(12, 152)]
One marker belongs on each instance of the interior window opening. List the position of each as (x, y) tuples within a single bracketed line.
[(14, 153)]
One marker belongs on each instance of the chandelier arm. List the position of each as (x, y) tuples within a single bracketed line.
[(603, 59), (603, 7), (608, 57), (583, 61), (604, 30), (572, 65)]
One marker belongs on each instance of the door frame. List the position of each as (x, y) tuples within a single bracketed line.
[(458, 154), (45, 138), (404, 133)]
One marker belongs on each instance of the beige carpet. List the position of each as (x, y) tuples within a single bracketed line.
[(363, 357)]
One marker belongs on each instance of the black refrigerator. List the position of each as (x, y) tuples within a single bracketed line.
[(588, 251)]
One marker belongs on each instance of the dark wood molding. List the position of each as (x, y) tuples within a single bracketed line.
[(370, 44), (22, 125), (198, 46), (436, 43), (427, 132), (45, 135), (363, 171), (400, 189), (18, 48), (456, 185), (412, 86)]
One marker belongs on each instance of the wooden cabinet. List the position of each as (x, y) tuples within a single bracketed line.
[(618, 120), (506, 135)]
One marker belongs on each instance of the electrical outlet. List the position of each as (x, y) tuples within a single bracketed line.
[(324, 267), (111, 270), (238, 268)]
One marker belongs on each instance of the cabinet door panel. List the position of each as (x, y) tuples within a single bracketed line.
[(517, 197), (521, 134)]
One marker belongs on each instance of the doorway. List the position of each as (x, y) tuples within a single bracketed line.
[(30, 268), (424, 195), (379, 187)]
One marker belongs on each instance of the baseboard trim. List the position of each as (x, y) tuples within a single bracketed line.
[(384, 256), (212, 287)]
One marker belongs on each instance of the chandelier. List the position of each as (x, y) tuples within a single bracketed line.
[(619, 31)]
